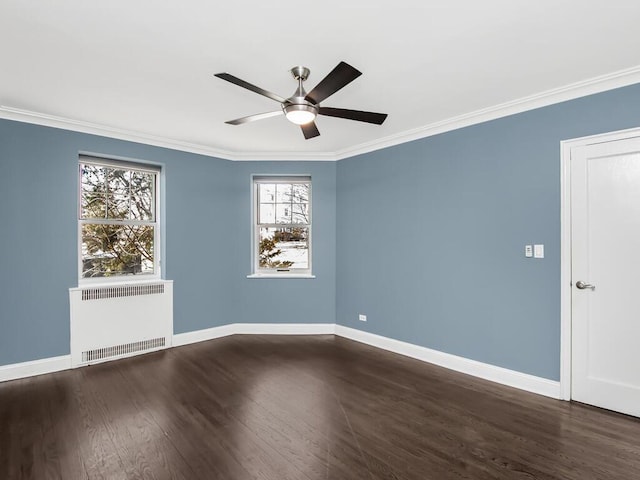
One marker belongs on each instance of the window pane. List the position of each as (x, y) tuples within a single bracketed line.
[(300, 192), (283, 213), (284, 248), (118, 181), (283, 193), (118, 206), (142, 186), (300, 213), (93, 205), (109, 250), (267, 192), (267, 213), (93, 178)]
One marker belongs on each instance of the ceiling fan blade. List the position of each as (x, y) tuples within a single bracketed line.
[(340, 76), (253, 118), (369, 117), (241, 83), (310, 130)]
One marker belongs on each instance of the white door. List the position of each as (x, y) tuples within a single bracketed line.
[(605, 256)]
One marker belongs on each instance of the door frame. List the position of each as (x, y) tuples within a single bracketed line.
[(566, 147)]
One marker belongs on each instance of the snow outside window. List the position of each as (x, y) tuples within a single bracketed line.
[(282, 225), (118, 212)]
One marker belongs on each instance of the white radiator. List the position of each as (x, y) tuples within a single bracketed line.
[(110, 322)]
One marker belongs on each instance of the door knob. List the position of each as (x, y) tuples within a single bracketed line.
[(581, 285)]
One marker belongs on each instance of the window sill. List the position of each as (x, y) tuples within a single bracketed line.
[(114, 282), (281, 275)]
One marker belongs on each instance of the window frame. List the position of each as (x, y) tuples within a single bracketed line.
[(261, 272), (131, 165)]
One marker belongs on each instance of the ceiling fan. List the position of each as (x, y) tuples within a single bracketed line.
[(302, 107)]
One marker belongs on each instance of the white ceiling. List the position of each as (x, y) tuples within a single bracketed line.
[(144, 69)]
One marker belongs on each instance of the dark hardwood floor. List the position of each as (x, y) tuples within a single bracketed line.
[(299, 408)]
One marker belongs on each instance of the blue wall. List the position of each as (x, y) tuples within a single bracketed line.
[(425, 238), (431, 234), (287, 300), (207, 242)]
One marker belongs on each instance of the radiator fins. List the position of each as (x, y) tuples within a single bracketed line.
[(122, 291), (125, 349)]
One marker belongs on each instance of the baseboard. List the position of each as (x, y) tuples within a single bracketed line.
[(253, 329), (196, 336), (35, 367), (285, 328), (523, 381), (504, 376)]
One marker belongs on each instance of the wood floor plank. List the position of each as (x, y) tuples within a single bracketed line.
[(69, 434), (140, 442), (234, 443), (196, 440), (299, 408)]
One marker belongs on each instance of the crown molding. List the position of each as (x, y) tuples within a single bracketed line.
[(621, 78), (47, 120), (284, 156), (610, 81), (44, 119)]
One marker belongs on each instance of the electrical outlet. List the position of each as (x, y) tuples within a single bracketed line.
[(362, 318)]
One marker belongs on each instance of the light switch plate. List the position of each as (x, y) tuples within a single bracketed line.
[(538, 251), (528, 251)]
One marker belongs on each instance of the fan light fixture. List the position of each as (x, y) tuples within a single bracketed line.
[(300, 114), (302, 108)]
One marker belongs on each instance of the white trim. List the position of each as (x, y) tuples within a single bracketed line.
[(565, 271), (124, 282), (98, 282), (39, 118), (504, 376), (281, 275), (565, 245), (256, 226), (285, 328), (583, 88), (601, 138), (523, 381), (35, 367), (187, 338), (131, 165), (621, 78)]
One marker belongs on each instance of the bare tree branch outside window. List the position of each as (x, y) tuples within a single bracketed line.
[(283, 224), (117, 220)]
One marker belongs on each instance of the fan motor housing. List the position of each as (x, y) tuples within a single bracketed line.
[(300, 73)]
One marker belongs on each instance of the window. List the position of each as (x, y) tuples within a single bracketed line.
[(282, 226), (118, 219)]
